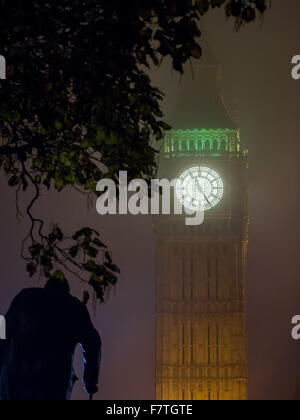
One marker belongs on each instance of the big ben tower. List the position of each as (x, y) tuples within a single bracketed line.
[(200, 293)]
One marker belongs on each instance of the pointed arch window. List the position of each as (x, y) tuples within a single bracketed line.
[(215, 146), (175, 146), (184, 146), (192, 146), (223, 146), (207, 146)]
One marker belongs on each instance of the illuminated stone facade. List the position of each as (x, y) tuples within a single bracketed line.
[(200, 293)]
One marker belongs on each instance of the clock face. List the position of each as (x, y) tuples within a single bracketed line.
[(200, 188)]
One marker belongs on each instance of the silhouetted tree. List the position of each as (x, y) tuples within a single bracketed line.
[(78, 105)]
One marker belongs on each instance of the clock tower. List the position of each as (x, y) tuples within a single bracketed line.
[(200, 281)]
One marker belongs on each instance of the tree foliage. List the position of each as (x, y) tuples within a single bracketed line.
[(78, 105)]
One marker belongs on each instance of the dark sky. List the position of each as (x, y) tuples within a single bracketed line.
[(256, 74)]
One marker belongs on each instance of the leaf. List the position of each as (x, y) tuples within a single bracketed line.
[(59, 183), (13, 181), (46, 262), (228, 10), (87, 231), (91, 184), (85, 144), (59, 275), (58, 125), (108, 256), (37, 179), (31, 269), (113, 267), (202, 6), (94, 279), (47, 184), (64, 158), (110, 278), (100, 244), (74, 251), (47, 273), (165, 126), (91, 252), (35, 250), (249, 14), (90, 266), (58, 234), (100, 136), (196, 51)]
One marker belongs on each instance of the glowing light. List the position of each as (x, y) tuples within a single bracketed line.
[(200, 188), (202, 142)]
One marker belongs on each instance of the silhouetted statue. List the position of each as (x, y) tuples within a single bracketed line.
[(43, 328)]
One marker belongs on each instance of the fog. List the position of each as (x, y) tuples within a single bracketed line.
[(256, 68)]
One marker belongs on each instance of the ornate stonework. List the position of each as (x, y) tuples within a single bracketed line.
[(200, 293), (201, 142)]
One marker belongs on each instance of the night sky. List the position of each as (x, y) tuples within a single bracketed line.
[(256, 67)]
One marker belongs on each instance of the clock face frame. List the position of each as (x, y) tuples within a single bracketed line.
[(200, 188)]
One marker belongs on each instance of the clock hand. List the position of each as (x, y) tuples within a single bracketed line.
[(202, 192), (207, 200)]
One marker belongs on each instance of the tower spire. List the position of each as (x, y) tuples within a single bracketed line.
[(200, 104)]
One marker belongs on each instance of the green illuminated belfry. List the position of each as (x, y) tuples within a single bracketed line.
[(201, 124), (200, 283), (202, 142)]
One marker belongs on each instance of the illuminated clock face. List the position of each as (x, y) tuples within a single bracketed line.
[(200, 188)]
